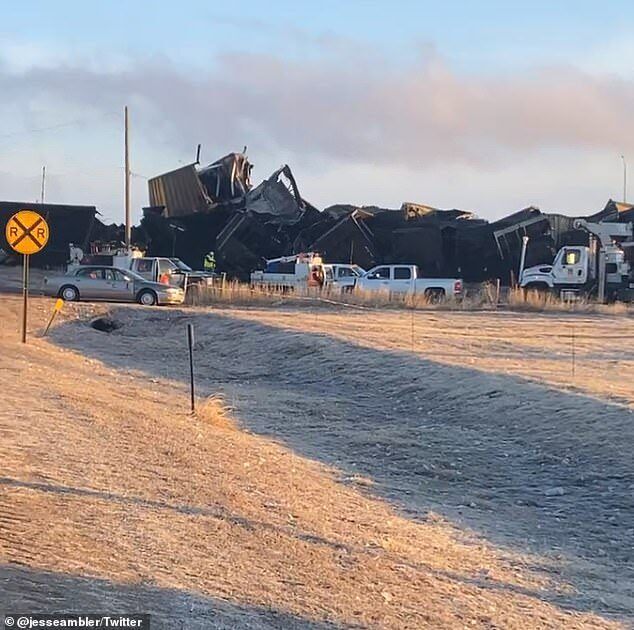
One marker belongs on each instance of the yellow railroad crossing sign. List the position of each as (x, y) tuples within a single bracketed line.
[(27, 232)]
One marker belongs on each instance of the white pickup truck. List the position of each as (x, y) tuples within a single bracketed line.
[(165, 270), (407, 279), (341, 277)]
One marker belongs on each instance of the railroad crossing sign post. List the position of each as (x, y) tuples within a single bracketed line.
[(27, 233)]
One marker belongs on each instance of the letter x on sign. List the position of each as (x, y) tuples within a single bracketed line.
[(27, 232)]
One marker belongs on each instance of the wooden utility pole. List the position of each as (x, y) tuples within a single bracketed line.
[(128, 229), (43, 184), (624, 179)]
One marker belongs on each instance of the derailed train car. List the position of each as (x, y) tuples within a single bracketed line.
[(197, 209), (244, 226)]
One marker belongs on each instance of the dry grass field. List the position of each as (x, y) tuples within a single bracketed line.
[(479, 297), (355, 468)]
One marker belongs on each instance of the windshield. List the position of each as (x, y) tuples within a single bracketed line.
[(180, 264), (358, 271)]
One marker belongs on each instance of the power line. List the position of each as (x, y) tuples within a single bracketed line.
[(72, 123), (69, 170)]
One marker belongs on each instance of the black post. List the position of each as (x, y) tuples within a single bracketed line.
[(572, 339), (190, 343)]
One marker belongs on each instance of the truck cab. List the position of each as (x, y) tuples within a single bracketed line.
[(341, 276), (171, 271), (571, 266), (571, 269), (393, 278), (156, 268)]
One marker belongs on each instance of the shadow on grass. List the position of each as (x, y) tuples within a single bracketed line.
[(354, 550), (525, 465), (26, 590)]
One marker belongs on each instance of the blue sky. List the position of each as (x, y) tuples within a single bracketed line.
[(479, 36), (501, 104)]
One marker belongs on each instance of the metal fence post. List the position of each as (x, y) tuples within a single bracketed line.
[(190, 344)]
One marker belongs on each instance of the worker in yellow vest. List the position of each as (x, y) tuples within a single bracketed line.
[(209, 262)]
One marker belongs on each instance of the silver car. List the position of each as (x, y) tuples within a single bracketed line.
[(96, 282)]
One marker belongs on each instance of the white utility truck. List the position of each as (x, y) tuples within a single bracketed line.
[(407, 279), (301, 271), (600, 270), (291, 273)]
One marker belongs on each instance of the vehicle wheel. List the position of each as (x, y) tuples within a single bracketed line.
[(538, 291), (147, 298), (434, 296), (69, 294)]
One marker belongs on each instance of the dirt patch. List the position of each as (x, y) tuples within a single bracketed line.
[(105, 324)]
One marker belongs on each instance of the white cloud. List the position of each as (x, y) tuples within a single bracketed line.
[(563, 181), (357, 129)]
